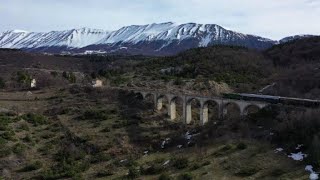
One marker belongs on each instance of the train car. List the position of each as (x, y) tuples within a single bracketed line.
[(300, 102), (252, 97), (260, 97)]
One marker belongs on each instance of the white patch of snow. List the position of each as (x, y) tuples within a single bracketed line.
[(313, 175), (278, 150), (123, 160), (179, 146), (188, 136), (299, 146), (166, 141), (298, 156), (166, 163)]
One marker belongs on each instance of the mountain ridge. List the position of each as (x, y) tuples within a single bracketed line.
[(151, 39)]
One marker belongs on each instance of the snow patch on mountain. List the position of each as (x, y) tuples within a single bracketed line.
[(156, 36)]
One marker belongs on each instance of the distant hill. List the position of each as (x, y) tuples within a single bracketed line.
[(296, 37), (299, 51), (298, 63)]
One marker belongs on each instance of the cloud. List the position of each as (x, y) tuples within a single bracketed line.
[(273, 18)]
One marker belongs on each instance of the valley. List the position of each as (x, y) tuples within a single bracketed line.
[(66, 128)]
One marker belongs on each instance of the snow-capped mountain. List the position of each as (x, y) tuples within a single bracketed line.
[(152, 39)]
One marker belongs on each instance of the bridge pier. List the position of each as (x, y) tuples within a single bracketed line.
[(187, 112), (172, 111), (204, 114), (159, 103)]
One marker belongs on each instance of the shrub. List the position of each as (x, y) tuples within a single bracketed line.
[(2, 83), (164, 177), (247, 171), (241, 146), (134, 172), (31, 167), (19, 148), (23, 77), (180, 163), (8, 135), (4, 152), (54, 73), (35, 119), (314, 152), (95, 115), (153, 169), (185, 176), (100, 157), (104, 173)]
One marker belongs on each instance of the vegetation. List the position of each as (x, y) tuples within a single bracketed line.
[(2, 83), (35, 119)]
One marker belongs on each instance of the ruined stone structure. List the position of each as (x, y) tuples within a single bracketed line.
[(204, 101)]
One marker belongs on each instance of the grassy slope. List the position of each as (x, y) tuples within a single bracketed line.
[(89, 132)]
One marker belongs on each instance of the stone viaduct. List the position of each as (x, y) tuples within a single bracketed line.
[(221, 103)]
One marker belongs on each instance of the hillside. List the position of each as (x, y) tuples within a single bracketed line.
[(298, 63), (84, 133)]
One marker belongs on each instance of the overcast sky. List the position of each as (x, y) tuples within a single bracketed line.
[(269, 18)]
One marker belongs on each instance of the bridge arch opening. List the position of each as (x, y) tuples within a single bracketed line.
[(251, 109), (231, 110), (175, 108), (162, 103), (149, 97), (193, 108), (138, 95), (211, 112)]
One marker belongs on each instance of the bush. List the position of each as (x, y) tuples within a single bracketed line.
[(164, 177), (185, 176), (4, 152), (8, 135), (31, 167), (180, 163), (134, 172), (105, 172), (19, 149), (2, 83), (54, 73), (247, 171), (241, 146), (35, 119), (314, 152), (153, 169), (99, 115)]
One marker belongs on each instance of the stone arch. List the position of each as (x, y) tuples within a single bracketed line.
[(138, 95), (210, 110), (251, 108), (231, 109), (173, 102), (193, 110)]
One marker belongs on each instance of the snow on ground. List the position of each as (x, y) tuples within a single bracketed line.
[(166, 141), (313, 175), (298, 156), (278, 150), (166, 163), (299, 146)]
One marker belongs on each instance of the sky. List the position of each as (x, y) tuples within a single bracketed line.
[(273, 19)]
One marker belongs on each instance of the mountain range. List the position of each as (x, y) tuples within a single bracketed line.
[(152, 39)]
